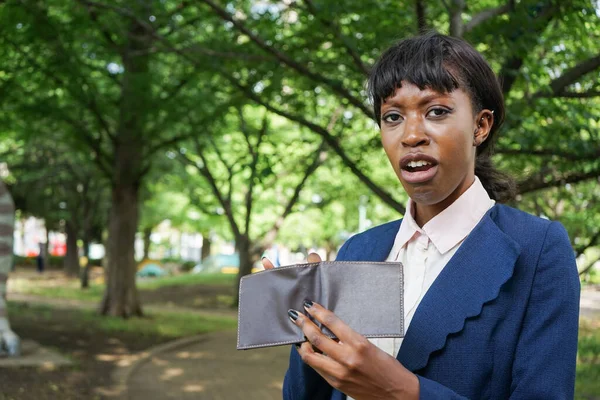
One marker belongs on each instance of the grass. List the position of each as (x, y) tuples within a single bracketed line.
[(167, 324), (587, 385), (188, 279), (70, 289)]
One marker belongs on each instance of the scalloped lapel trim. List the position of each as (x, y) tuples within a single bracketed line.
[(472, 277)]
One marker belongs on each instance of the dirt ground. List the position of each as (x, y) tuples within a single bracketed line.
[(94, 357), (94, 354), (192, 296)]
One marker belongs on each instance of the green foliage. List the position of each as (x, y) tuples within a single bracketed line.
[(587, 384), (71, 96)]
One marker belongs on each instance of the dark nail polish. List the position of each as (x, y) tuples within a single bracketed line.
[(293, 314), (308, 303)]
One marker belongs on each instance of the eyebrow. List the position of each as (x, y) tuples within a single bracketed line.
[(424, 100)]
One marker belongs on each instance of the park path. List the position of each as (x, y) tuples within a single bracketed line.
[(209, 368)]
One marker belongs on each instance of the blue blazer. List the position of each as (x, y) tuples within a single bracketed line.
[(499, 322)]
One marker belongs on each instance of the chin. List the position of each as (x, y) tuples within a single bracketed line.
[(426, 198), (425, 194)]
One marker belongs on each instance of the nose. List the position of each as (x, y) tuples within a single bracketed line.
[(414, 133)]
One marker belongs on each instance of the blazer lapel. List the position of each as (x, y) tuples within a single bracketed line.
[(375, 244), (472, 277)]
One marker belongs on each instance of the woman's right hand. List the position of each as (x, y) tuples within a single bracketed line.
[(312, 258)]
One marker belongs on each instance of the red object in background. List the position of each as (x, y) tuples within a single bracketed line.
[(58, 249)]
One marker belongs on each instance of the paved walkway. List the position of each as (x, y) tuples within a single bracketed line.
[(590, 303), (209, 368)]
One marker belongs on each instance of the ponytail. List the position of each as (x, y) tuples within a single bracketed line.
[(499, 186)]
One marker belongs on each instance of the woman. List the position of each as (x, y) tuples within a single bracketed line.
[(491, 296)]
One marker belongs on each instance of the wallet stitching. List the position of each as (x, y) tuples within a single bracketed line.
[(320, 262), (368, 335), (313, 265)]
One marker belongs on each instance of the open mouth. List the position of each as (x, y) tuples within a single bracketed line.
[(417, 166)]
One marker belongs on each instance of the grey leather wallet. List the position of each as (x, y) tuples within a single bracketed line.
[(368, 296)]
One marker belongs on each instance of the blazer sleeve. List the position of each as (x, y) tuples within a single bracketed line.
[(546, 354), (545, 357), (301, 382)]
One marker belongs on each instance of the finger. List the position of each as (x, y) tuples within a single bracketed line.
[(314, 335), (314, 258), (327, 367), (267, 264), (339, 328)]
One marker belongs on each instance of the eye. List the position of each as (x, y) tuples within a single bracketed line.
[(391, 117), (438, 112)]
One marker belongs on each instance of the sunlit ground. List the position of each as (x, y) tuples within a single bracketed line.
[(180, 323)]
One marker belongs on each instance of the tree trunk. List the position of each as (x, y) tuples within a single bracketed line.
[(329, 250), (121, 296), (206, 245), (85, 271), (456, 23), (243, 246), (71, 261), (147, 243), (45, 249)]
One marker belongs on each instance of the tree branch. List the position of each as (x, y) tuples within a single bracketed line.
[(205, 171), (107, 36), (591, 156), (592, 242), (421, 16), (208, 52), (456, 23), (90, 104), (335, 29), (511, 67), (318, 160), (572, 95), (331, 141), (541, 181), (171, 142), (570, 76), (488, 14), (119, 10), (282, 57), (255, 153)]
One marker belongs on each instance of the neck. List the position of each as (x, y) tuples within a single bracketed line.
[(423, 213)]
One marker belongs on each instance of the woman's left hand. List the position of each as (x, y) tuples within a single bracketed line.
[(353, 365)]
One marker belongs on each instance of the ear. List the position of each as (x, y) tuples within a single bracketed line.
[(484, 122)]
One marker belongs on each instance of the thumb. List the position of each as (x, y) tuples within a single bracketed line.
[(314, 258), (267, 264)]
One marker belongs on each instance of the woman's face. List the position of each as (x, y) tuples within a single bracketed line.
[(430, 138)]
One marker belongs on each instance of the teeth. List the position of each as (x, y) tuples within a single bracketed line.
[(420, 163)]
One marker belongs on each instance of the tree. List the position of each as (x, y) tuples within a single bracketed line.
[(91, 73), (162, 203), (63, 188), (546, 53), (254, 179)]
